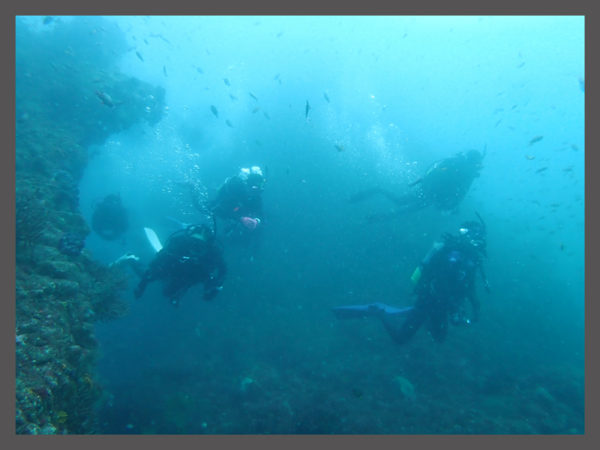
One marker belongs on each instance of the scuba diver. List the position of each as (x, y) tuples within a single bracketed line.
[(237, 204), (190, 256), (444, 281), (443, 186), (109, 219)]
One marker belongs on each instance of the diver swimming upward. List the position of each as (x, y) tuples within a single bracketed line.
[(443, 186)]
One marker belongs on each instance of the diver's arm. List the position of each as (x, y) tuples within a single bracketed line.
[(475, 305), (215, 283), (436, 247), (486, 284)]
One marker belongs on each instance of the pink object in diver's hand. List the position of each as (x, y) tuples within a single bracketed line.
[(250, 223)]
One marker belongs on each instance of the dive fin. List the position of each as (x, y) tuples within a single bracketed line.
[(153, 239), (372, 309), (414, 183), (179, 223)]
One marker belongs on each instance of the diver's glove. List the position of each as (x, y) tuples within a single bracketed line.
[(250, 222)]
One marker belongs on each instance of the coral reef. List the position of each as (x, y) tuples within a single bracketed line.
[(60, 290)]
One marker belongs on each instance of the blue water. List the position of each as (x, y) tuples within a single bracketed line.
[(267, 355)]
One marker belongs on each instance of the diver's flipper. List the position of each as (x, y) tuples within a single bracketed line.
[(414, 183), (153, 239), (372, 309), (179, 223)]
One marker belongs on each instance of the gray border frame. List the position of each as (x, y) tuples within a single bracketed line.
[(437, 7)]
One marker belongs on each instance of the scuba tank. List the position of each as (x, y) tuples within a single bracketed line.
[(416, 275)]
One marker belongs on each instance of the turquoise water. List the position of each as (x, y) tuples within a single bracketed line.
[(388, 96)]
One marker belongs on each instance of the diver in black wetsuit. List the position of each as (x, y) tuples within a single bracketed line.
[(240, 197), (443, 186), (190, 256), (109, 219), (445, 280)]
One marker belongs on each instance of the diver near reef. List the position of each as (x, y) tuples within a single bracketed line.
[(444, 282), (237, 204), (109, 219), (190, 256), (443, 186)]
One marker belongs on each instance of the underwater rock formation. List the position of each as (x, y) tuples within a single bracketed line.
[(60, 290)]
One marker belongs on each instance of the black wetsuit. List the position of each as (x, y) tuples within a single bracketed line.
[(109, 219), (236, 199), (443, 186), (188, 258), (447, 280)]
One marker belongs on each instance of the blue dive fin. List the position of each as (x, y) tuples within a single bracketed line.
[(153, 239), (371, 309)]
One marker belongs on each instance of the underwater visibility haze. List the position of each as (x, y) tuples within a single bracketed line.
[(130, 111)]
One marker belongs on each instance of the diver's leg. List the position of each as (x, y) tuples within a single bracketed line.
[(175, 289), (401, 334), (404, 204), (141, 287)]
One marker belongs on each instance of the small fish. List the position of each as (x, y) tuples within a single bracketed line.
[(165, 71), (229, 124), (232, 97), (574, 147), (139, 56), (226, 81), (146, 42), (307, 109), (105, 99), (253, 96), (213, 108), (48, 20), (255, 110), (497, 123), (279, 34), (339, 148), (541, 170), (568, 169), (536, 139), (199, 70), (266, 115), (276, 77), (160, 36), (530, 157), (326, 97), (520, 65), (582, 84), (562, 247)]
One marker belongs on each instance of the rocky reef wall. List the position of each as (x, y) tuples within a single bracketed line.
[(69, 95)]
